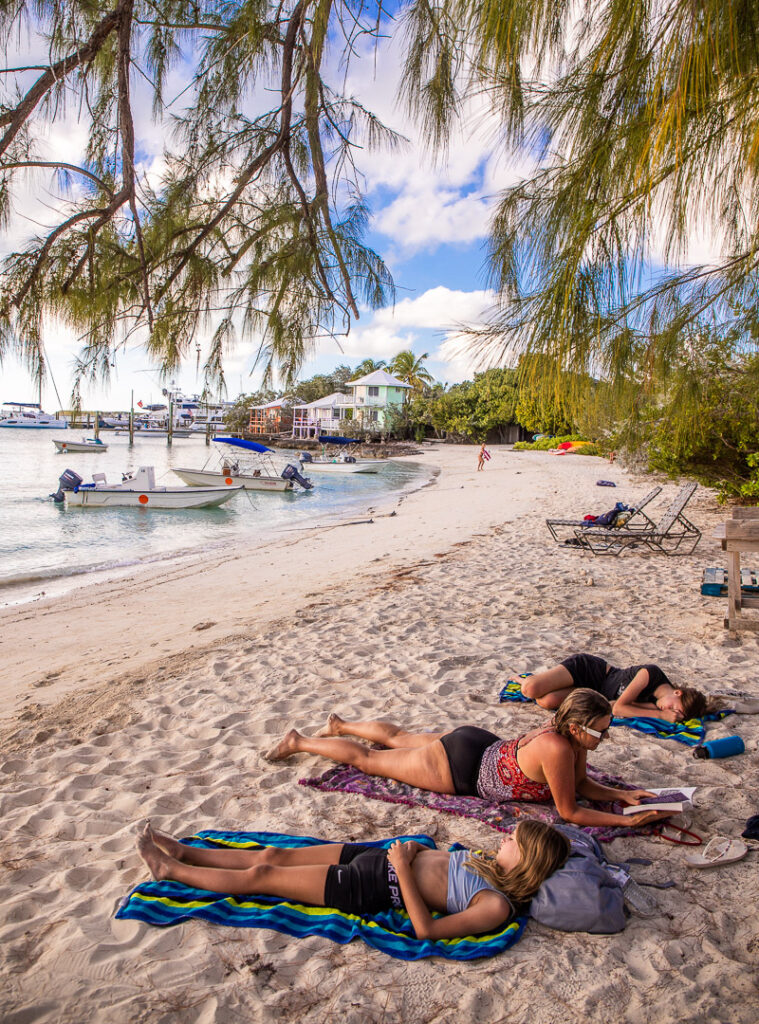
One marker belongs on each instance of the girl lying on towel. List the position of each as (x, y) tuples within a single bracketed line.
[(544, 765), (476, 892), (640, 691)]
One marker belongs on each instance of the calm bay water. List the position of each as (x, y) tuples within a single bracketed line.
[(45, 547)]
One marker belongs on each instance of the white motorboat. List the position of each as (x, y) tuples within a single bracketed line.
[(261, 474), (87, 444), (341, 461), (136, 490), (29, 416)]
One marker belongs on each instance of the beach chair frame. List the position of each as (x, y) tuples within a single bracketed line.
[(674, 534), (637, 522)]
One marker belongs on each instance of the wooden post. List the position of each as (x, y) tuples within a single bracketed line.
[(170, 432), (739, 534), (97, 423), (131, 420)]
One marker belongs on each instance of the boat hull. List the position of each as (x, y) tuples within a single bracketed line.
[(55, 425), (79, 446), (368, 466), (170, 497), (201, 477)]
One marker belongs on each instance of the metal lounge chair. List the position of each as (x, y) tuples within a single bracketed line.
[(672, 535), (637, 521)]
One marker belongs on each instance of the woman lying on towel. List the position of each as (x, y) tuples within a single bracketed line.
[(640, 691), (477, 892), (543, 765)]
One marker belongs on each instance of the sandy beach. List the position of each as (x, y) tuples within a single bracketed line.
[(155, 695)]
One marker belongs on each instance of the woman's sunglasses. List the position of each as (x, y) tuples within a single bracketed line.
[(594, 732)]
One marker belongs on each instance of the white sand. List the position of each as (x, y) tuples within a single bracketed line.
[(118, 708)]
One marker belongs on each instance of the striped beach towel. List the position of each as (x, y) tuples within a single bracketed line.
[(691, 733), (168, 903)]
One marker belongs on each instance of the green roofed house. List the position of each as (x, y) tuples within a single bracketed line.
[(365, 407)]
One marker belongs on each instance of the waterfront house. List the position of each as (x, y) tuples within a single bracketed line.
[(368, 406), (272, 418)]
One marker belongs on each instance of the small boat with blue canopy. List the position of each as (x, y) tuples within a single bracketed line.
[(337, 457), (247, 464)]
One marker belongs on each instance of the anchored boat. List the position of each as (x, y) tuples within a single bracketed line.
[(260, 474), (341, 461), (136, 490), (87, 444)]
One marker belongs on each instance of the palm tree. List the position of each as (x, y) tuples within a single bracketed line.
[(369, 366), (410, 368)]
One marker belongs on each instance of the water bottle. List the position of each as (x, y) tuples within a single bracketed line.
[(726, 746)]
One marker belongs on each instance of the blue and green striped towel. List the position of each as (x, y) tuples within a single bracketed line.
[(691, 733), (167, 903)]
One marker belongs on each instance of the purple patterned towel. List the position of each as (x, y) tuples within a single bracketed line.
[(345, 779)]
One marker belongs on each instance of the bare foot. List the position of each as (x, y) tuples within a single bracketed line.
[(333, 726), (167, 843), (156, 859), (286, 746)]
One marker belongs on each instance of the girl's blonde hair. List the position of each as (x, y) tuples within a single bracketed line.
[(544, 849), (580, 708)]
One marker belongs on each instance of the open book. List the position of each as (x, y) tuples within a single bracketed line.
[(674, 800)]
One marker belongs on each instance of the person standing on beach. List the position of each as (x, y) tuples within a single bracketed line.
[(483, 457)]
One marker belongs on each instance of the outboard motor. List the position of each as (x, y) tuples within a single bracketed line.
[(291, 473), (305, 456), (68, 481)]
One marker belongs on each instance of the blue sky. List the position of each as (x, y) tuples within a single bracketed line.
[(428, 221)]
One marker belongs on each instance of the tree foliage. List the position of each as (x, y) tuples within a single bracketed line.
[(411, 369), (256, 223), (643, 122), (468, 411)]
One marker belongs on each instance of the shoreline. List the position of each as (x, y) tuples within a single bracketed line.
[(421, 617), (20, 591)]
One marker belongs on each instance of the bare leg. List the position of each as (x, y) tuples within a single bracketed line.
[(378, 731), (325, 853), (549, 688), (304, 882), (426, 767)]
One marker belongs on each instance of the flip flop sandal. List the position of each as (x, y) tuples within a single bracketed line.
[(719, 850)]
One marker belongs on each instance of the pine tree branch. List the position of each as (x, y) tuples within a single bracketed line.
[(16, 117), (58, 164)]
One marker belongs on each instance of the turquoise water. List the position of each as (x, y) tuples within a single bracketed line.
[(44, 546)]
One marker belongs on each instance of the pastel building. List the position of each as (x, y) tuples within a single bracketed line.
[(272, 418), (368, 406)]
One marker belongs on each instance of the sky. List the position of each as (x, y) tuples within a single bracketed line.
[(429, 222)]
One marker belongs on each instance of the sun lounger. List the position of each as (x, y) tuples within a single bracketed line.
[(637, 521), (672, 535)]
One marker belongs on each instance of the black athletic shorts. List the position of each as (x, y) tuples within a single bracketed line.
[(596, 674), (364, 882), (464, 748)]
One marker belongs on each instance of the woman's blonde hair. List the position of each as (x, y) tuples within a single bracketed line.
[(544, 849), (580, 708)]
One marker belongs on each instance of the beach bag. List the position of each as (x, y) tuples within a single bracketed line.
[(585, 895), (610, 518)]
